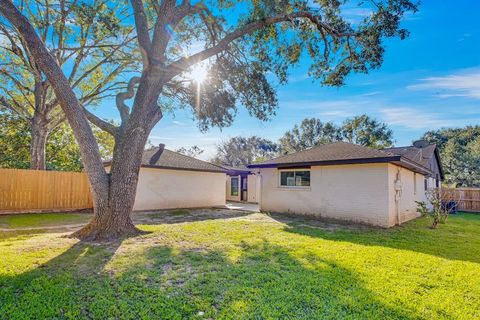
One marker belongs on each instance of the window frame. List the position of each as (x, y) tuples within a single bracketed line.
[(294, 187), (237, 186)]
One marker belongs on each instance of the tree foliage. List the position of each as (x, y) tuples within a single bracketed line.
[(460, 154), (241, 151), (63, 153), (311, 132), (362, 130), (193, 151), (87, 39), (366, 131)]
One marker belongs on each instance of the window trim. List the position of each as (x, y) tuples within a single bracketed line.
[(231, 185), (279, 181)]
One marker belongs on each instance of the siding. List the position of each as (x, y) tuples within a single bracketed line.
[(167, 189), (407, 205), (356, 193)]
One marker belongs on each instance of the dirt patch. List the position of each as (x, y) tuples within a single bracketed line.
[(186, 215)]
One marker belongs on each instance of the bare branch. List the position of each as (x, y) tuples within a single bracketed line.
[(122, 96), (102, 124)]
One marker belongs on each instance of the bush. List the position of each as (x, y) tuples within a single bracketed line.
[(435, 207)]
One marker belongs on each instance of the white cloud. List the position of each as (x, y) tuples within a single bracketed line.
[(460, 84), (412, 118)]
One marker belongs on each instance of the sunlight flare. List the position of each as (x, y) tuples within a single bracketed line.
[(198, 73)]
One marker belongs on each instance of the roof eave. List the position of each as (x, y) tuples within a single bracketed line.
[(326, 162), (106, 164), (412, 165)]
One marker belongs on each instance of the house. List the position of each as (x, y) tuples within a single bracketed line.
[(169, 180), (348, 182), (242, 184), (427, 155)]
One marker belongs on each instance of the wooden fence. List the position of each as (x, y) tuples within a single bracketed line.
[(468, 199), (35, 190)]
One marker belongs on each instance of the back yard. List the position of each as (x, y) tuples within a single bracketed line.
[(231, 264)]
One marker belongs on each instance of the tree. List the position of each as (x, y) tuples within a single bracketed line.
[(365, 131), (267, 38), (241, 151), (311, 132), (460, 154), (92, 53), (193, 151), (62, 150)]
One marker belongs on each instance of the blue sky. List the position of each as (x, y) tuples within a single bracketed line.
[(429, 81)]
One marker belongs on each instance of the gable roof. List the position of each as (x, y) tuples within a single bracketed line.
[(162, 158), (419, 155), (340, 153)]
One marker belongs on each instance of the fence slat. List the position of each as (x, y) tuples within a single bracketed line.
[(468, 199), (35, 190)]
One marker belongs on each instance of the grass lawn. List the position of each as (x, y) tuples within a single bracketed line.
[(241, 266)]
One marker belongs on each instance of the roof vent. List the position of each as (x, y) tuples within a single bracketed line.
[(420, 144)]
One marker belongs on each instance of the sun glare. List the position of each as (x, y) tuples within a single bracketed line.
[(198, 73)]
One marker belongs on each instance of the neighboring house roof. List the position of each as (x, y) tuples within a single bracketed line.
[(422, 156), (162, 158), (340, 153)]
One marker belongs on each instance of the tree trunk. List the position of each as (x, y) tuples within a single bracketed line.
[(39, 133), (112, 219)]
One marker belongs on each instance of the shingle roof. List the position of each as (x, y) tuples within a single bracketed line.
[(236, 170), (421, 156), (162, 158), (329, 153)]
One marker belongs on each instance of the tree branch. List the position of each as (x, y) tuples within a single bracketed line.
[(183, 64), (122, 96), (102, 124), (141, 24)]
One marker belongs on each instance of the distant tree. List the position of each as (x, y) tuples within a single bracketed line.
[(193, 151), (460, 154), (366, 131), (311, 132), (92, 52), (63, 152), (240, 151), (268, 38)]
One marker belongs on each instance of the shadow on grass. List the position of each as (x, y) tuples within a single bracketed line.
[(186, 215), (265, 281), (458, 239)]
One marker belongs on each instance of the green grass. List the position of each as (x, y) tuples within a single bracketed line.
[(251, 267), (41, 220)]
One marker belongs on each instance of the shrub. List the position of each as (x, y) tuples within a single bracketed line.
[(435, 207)]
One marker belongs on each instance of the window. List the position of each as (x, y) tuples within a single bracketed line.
[(414, 183), (295, 178), (425, 182), (234, 186)]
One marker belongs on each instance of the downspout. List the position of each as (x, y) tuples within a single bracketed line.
[(398, 194)]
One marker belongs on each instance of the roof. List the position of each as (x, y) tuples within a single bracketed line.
[(419, 155), (236, 170), (340, 153), (162, 158)]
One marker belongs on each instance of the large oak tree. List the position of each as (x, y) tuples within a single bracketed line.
[(259, 38), (88, 41)]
